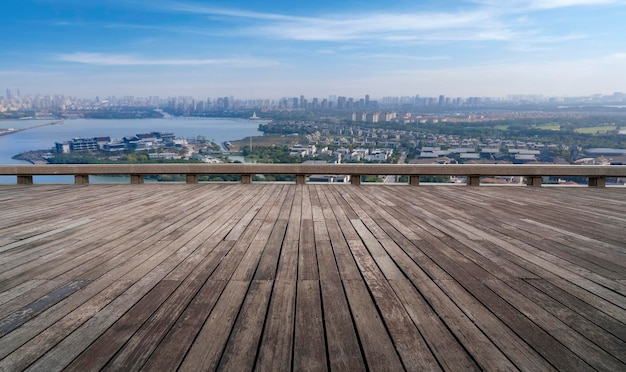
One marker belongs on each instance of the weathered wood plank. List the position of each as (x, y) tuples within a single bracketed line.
[(344, 353), (241, 349), (208, 346), (309, 344), (378, 349), (275, 350), (402, 277)]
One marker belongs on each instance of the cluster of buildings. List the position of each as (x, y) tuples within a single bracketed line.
[(342, 154), (15, 101), (157, 145), (354, 143), (138, 142)]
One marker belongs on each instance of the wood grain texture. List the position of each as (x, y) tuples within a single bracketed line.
[(274, 277)]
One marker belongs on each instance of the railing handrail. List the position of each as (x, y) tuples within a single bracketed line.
[(262, 168), (472, 171)]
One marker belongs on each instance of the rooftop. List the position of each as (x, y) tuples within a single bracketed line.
[(312, 277)]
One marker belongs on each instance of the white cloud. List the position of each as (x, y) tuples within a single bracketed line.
[(488, 20), (517, 5), (101, 59), (555, 4)]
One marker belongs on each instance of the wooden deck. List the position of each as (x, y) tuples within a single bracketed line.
[(311, 277)]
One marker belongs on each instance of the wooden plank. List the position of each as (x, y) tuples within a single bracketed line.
[(449, 352), (16, 319), (139, 347), (170, 352), (344, 353), (241, 349), (275, 350), (288, 261), (559, 316), (494, 358), (269, 260), (326, 261), (104, 347), (608, 323), (482, 294), (309, 345), (345, 262), (579, 346), (514, 248), (378, 349), (307, 259), (284, 230), (208, 346), (377, 252), (64, 352), (539, 339), (17, 355)]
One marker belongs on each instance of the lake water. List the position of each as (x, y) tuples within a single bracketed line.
[(42, 138)]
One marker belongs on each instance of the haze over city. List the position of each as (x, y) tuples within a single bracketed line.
[(257, 49)]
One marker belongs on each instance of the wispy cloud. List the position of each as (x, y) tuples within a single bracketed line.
[(405, 57), (517, 5), (100, 59), (487, 20)]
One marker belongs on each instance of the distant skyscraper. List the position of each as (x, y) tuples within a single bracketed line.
[(18, 93), (367, 100), (9, 95)]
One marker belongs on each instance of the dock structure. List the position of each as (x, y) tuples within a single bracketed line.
[(277, 277)]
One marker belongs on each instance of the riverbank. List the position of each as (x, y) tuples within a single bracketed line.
[(34, 157)]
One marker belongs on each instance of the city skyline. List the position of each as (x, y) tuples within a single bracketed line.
[(259, 49)]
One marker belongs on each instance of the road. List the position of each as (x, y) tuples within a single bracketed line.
[(394, 178)]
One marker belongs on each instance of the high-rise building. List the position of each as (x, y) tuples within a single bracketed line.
[(341, 102), (367, 100), (9, 95)]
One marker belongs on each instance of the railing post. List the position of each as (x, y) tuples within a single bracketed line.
[(246, 178), (81, 179), (473, 180), (136, 179), (597, 181), (355, 179), (414, 180), (300, 180), (534, 181), (191, 178), (24, 180)]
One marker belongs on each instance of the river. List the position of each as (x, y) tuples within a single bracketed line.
[(44, 137)]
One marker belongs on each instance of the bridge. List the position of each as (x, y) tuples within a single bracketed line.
[(276, 276)]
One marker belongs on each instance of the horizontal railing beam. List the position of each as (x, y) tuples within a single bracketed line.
[(363, 169), (596, 174)]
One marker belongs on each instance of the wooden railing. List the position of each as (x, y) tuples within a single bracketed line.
[(533, 173)]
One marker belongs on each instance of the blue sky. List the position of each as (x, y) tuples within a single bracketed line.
[(259, 49)]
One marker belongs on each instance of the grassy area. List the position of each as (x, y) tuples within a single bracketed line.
[(501, 127), (597, 129), (550, 126), (269, 140)]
